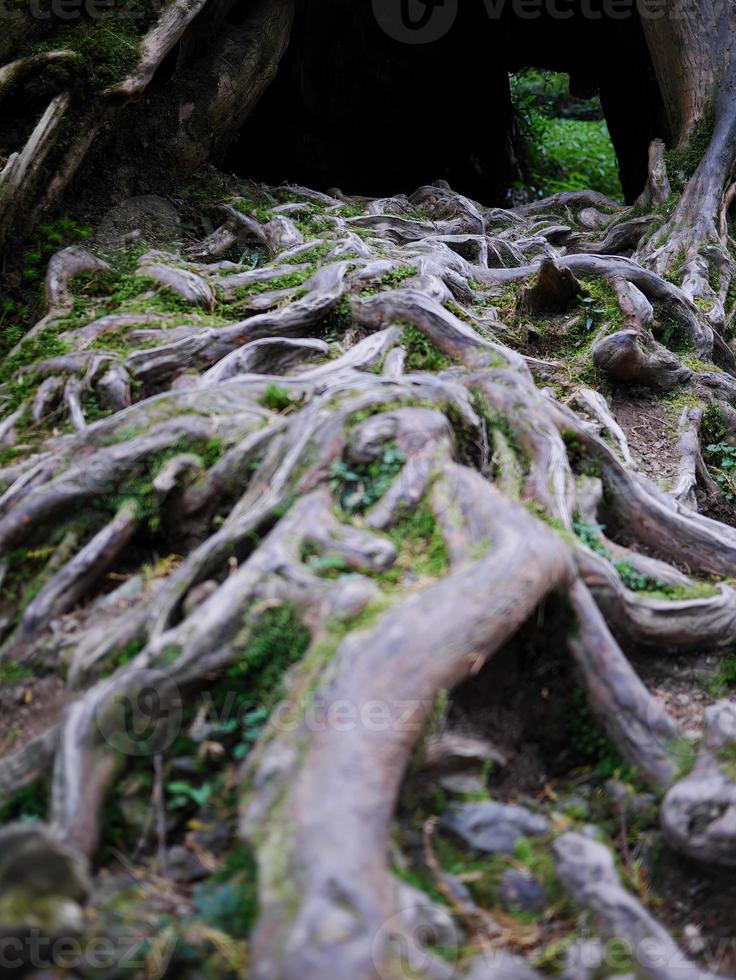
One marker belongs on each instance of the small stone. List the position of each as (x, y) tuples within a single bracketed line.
[(493, 827), (592, 832), (522, 892), (693, 939)]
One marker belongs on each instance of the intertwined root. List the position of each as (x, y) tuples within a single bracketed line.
[(245, 420)]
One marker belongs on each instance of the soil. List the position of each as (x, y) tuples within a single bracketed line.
[(28, 709), (651, 431)]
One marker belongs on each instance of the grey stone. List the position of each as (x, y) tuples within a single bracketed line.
[(522, 892), (42, 885), (493, 827)]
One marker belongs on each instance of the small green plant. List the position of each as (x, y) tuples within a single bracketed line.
[(590, 535), (360, 486), (593, 745), (397, 276), (721, 684), (229, 899), (183, 794), (267, 646), (276, 398), (721, 459), (27, 805)]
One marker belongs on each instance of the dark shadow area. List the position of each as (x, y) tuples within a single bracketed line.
[(356, 109)]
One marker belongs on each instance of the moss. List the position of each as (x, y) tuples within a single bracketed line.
[(420, 545), (714, 427), (684, 753), (683, 161), (310, 255), (269, 643), (12, 672), (398, 275), (108, 51), (727, 758), (695, 364), (496, 420), (676, 402), (599, 307), (289, 281), (421, 353), (458, 311), (675, 336), (43, 346), (139, 485), (656, 589)]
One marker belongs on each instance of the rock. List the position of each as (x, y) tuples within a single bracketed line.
[(42, 886), (493, 827), (522, 892), (148, 218), (463, 784), (458, 889)]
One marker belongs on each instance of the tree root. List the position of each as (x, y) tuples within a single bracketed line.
[(284, 459)]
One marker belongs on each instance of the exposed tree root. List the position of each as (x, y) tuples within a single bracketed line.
[(277, 430)]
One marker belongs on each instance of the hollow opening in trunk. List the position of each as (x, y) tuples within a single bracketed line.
[(355, 108), (566, 144)]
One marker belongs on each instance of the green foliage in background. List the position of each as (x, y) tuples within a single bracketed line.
[(563, 152)]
